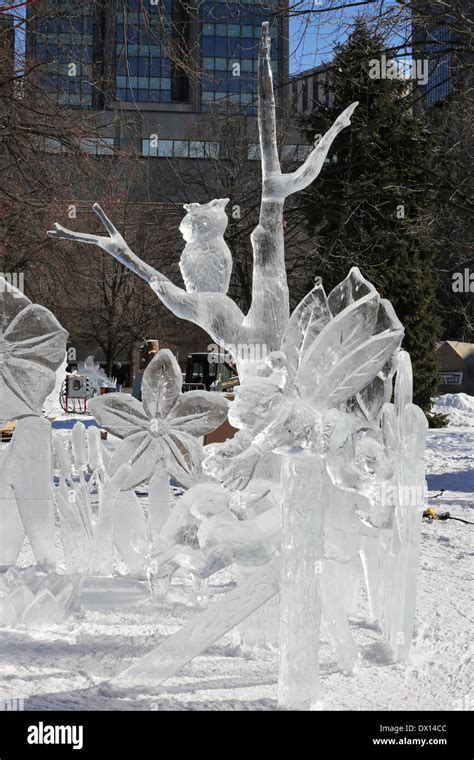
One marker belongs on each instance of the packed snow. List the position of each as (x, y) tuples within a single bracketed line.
[(459, 407)]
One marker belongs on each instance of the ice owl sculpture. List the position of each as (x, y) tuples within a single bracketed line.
[(206, 262)]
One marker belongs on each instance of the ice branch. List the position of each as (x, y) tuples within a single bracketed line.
[(308, 171), (114, 244), (266, 107), (279, 186), (214, 312)]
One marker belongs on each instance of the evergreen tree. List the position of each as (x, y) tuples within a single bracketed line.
[(372, 204)]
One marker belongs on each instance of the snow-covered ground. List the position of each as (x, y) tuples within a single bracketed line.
[(63, 669)]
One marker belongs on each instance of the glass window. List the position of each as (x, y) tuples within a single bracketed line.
[(154, 66), (52, 145), (303, 151), (181, 148), (220, 47), (212, 150), (253, 153), (132, 66), (304, 95), (197, 149), (208, 46), (233, 84), (97, 146), (439, 62), (208, 83), (165, 148)]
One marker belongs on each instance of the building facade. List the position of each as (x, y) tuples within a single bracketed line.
[(162, 80), (155, 67), (442, 36), (311, 89)]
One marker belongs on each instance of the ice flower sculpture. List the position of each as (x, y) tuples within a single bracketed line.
[(160, 435), (32, 347)]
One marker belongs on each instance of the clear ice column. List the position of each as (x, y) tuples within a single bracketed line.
[(302, 561)]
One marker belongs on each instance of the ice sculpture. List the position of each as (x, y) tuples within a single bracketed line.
[(32, 348), (315, 421), (95, 373), (206, 262), (88, 543), (260, 330), (160, 435), (230, 528), (36, 600)]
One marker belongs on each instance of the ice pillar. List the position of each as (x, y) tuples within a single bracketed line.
[(301, 593)]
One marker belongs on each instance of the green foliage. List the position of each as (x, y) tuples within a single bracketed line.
[(437, 419), (372, 204)]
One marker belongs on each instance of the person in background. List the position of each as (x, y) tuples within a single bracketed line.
[(120, 374), (137, 383)]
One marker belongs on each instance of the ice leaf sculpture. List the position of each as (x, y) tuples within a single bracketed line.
[(352, 289), (36, 601), (371, 399), (32, 348), (308, 319), (404, 383), (353, 373), (161, 385), (342, 335), (352, 348)]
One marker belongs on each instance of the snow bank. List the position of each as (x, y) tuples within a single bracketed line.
[(459, 406)]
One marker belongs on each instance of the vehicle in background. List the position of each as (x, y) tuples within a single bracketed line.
[(209, 372)]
